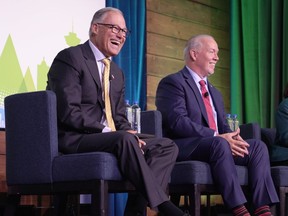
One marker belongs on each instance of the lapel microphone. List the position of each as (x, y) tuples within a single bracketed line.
[(111, 77), (206, 94)]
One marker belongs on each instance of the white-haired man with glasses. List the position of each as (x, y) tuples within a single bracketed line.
[(84, 122)]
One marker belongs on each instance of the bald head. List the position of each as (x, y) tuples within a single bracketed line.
[(201, 54)]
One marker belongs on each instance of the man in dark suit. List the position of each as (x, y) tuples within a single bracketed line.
[(76, 78), (180, 98), (279, 151)]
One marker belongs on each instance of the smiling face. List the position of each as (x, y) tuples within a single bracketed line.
[(205, 57), (108, 42)]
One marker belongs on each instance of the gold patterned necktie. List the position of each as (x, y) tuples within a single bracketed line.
[(105, 80)]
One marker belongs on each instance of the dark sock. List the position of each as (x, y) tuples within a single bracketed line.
[(240, 211), (169, 209), (136, 205), (263, 211)]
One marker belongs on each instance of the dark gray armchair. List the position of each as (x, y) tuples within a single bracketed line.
[(35, 167), (279, 173)]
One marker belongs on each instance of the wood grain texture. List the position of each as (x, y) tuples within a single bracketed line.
[(2, 141), (170, 24), (2, 159)]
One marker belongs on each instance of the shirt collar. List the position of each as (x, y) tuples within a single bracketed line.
[(97, 53), (196, 77)]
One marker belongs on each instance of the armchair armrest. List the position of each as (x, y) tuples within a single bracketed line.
[(278, 154), (250, 131), (268, 136), (151, 122)]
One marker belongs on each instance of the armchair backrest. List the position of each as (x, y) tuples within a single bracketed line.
[(151, 122), (31, 137), (250, 131), (268, 136)]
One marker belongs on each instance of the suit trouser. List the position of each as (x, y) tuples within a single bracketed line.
[(216, 151), (150, 173)]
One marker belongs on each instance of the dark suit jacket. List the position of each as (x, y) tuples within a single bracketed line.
[(74, 77), (279, 151), (184, 115)]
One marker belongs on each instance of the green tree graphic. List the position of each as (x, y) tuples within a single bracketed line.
[(10, 72), (11, 77), (42, 70), (72, 39), (28, 81)]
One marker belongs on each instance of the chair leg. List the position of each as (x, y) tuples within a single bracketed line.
[(186, 201), (13, 202), (195, 201), (100, 199), (73, 205), (273, 210), (282, 197), (175, 199), (60, 204), (208, 204)]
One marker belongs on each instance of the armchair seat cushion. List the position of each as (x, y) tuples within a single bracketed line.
[(198, 172), (191, 172), (86, 166)]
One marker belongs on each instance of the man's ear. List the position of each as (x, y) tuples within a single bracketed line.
[(94, 28), (193, 54)]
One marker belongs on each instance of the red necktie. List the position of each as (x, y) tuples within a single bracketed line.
[(206, 99)]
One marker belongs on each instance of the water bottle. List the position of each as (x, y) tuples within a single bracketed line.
[(136, 112), (129, 112), (235, 122), (230, 121)]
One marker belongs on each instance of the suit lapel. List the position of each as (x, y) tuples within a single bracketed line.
[(216, 103), (90, 61), (212, 94), (189, 79)]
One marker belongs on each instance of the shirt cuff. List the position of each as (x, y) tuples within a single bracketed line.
[(106, 129)]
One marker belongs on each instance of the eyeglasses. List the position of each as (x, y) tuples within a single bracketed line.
[(116, 29)]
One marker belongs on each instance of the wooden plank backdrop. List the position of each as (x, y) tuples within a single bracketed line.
[(170, 24), (3, 186)]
